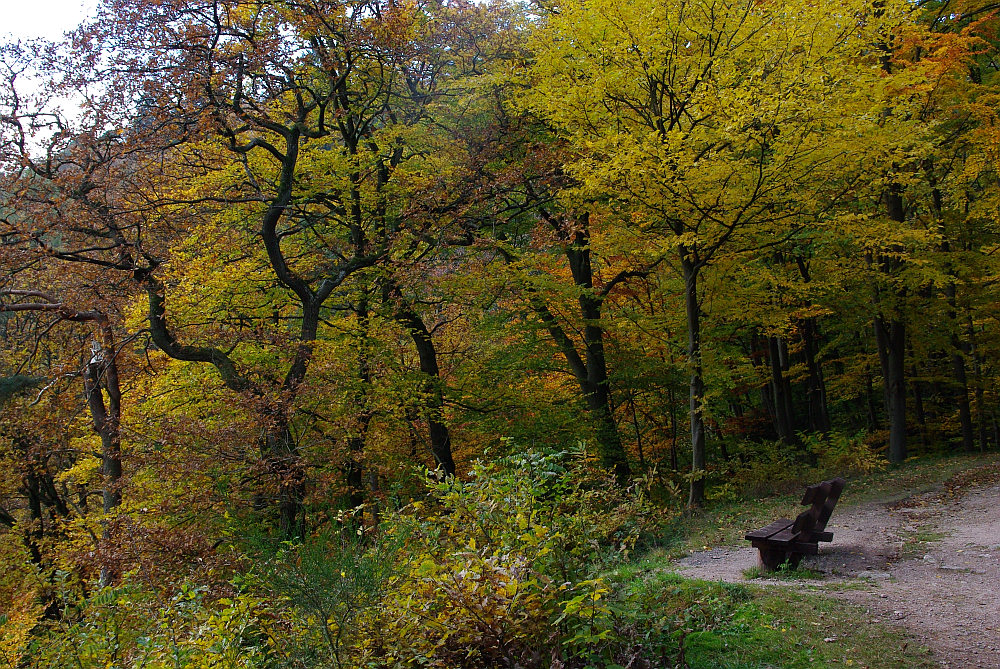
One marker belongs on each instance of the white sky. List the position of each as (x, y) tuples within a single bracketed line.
[(24, 19)]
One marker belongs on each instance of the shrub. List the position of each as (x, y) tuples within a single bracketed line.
[(760, 468), (839, 454), (129, 626), (505, 567), (326, 585)]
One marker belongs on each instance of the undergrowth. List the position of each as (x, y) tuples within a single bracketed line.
[(535, 561)]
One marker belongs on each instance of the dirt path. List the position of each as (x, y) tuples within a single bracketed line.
[(929, 562)]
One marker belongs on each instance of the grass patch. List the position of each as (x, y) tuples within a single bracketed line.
[(784, 572), (921, 475), (805, 622), (926, 536), (708, 625), (703, 625), (918, 542)]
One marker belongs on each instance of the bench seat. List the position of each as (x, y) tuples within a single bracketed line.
[(787, 540)]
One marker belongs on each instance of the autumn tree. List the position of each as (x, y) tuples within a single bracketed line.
[(310, 118), (718, 126)]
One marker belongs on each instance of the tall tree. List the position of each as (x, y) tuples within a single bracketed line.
[(310, 118), (715, 124)]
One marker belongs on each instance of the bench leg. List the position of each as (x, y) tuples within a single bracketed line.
[(768, 559)]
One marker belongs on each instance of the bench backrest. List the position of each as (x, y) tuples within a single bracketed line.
[(823, 498)]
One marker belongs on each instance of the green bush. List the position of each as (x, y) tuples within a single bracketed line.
[(505, 567), (502, 569), (130, 626), (839, 454), (326, 585), (760, 468)]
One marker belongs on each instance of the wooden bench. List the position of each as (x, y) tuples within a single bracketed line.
[(787, 540)]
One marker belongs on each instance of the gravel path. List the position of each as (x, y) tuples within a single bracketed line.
[(929, 562)]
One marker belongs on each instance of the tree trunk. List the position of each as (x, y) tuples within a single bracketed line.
[(353, 469), (100, 377), (891, 339), (697, 384), (590, 370), (279, 450), (977, 372), (782, 419), (283, 487), (608, 436), (758, 353), (432, 387), (598, 385), (872, 410), (962, 396), (890, 336), (958, 352), (785, 364), (819, 414), (105, 423), (638, 431)]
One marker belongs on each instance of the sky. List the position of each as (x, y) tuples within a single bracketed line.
[(24, 19)]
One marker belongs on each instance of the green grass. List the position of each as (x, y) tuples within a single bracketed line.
[(783, 573), (926, 536), (791, 630), (917, 543), (705, 625)]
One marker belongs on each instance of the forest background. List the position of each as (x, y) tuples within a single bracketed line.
[(322, 320)]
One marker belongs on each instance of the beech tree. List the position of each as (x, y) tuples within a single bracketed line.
[(718, 126), (311, 118)]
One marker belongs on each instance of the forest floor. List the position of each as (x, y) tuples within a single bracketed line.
[(927, 560)]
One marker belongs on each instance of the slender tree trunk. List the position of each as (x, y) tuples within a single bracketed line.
[(590, 370), (873, 422), (785, 363), (608, 436), (977, 372), (434, 404), (598, 383), (891, 339), (782, 419), (768, 404), (819, 414), (279, 448), (354, 469), (962, 396), (958, 352), (105, 423), (638, 432), (697, 384), (100, 378), (890, 336), (35, 531)]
